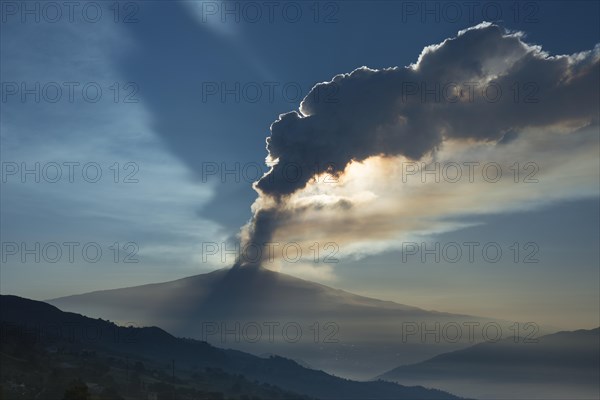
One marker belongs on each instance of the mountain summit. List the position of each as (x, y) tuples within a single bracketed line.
[(261, 311)]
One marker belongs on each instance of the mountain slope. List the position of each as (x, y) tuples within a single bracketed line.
[(224, 293), (48, 324), (556, 366), (330, 329)]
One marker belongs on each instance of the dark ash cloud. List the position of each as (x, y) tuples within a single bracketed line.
[(484, 85), (390, 112)]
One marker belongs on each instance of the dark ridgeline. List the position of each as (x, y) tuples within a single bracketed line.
[(557, 366), (57, 340)]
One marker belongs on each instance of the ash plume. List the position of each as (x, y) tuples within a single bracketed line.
[(484, 85)]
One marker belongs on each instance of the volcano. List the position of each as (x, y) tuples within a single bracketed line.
[(260, 311)]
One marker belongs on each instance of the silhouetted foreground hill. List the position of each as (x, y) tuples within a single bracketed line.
[(32, 325), (557, 366), (342, 333)]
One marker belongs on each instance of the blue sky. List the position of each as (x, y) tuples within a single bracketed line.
[(167, 127)]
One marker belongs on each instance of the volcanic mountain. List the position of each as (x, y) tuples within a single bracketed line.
[(261, 311)]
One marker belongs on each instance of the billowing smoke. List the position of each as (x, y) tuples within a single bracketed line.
[(484, 85)]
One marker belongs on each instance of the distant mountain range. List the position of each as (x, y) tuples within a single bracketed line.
[(275, 315), (329, 329), (563, 365), (43, 347)]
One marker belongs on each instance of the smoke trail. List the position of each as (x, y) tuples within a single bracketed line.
[(486, 84)]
